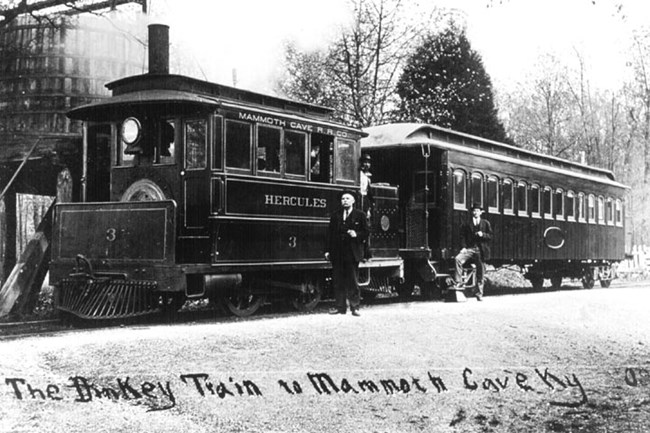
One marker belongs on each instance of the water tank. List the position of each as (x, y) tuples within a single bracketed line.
[(48, 67)]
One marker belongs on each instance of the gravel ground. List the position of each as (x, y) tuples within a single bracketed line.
[(556, 361)]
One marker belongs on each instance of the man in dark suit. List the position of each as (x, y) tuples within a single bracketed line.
[(475, 237), (348, 230)]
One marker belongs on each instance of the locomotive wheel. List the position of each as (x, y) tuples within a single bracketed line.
[(244, 304), (143, 190), (405, 291), (368, 296), (537, 281), (170, 303), (605, 277), (307, 301), (556, 282), (431, 291)]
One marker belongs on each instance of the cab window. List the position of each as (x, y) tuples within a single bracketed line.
[(295, 145), (238, 145), (164, 151), (345, 160), (195, 144), (320, 158), (268, 149)]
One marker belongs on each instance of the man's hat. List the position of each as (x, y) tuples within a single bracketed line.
[(365, 157), (348, 191), (475, 206)]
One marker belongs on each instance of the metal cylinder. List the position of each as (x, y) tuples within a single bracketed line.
[(221, 282), (158, 49)]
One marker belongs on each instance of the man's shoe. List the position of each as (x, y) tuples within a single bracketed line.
[(356, 313), (479, 297), (336, 311)]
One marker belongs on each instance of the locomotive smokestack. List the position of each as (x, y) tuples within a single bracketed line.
[(158, 49)]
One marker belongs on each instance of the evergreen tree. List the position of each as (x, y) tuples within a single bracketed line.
[(444, 83)]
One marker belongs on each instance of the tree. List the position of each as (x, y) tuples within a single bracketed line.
[(444, 83), (41, 10), (356, 74), (538, 111), (309, 80)]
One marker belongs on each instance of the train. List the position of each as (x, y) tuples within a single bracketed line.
[(192, 189), (552, 218)]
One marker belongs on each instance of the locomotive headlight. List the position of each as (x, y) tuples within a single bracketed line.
[(131, 130)]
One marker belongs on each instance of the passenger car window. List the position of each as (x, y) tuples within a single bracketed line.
[(570, 206), (547, 202), (476, 189), (508, 204), (591, 208), (534, 201), (460, 197), (558, 205), (493, 194), (522, 199)]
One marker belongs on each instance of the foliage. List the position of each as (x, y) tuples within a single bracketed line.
[(310, 79), (45, 10), (356, 74), (560, 112), (444, 83)]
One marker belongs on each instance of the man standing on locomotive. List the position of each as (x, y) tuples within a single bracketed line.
[(348, 231), (364, 184), (367, 200), (475, 238)]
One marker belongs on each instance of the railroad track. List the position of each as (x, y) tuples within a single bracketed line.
[(33, 327), (14, 330)]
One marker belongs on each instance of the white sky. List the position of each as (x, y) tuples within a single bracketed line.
[(247, 35)]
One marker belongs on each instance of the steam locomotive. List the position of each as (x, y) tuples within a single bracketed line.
[(193, 189)]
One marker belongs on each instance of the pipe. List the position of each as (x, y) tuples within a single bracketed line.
[(158, 49)]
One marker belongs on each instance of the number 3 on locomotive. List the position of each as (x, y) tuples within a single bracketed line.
[(111, 234), (293, 241)]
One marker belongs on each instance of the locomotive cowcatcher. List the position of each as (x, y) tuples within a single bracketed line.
[(193, 189)]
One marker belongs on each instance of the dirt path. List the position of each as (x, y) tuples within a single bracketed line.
[(571, 360)]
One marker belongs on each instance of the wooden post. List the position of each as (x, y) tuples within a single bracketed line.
[(10, 230), (24, 282), (3, 239)]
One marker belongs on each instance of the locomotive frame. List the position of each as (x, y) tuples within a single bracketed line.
[(194, 189), (551, 217)]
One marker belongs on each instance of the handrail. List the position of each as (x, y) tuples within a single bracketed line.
[(22, 164)]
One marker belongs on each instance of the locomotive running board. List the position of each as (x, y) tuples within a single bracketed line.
[(107, 298)]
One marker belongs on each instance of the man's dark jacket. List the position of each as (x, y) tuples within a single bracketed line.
[(340, 245), (471, 239)]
